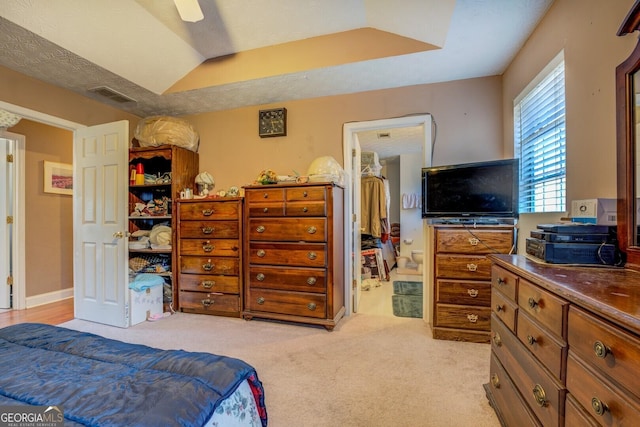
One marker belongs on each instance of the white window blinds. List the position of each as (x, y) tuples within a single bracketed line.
[(540, 134)]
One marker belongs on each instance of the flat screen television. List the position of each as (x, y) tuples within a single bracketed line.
[(471, 190)]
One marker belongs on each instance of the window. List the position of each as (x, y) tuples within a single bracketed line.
[(539, 138)]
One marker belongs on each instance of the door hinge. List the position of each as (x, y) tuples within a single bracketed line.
[(10, 219), (9, 158), (9, 280), (354, 284), (353, 152), (354, 218)]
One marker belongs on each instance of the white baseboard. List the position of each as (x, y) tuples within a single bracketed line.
[(49, 297)]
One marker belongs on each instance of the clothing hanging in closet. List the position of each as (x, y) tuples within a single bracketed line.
[(373, 206)]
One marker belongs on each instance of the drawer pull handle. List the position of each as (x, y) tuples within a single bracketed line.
[(600, 349), (312, 255), (304, 193), (208, 284), (305, 209), (260, 277), (497, 340), (208, 266), (260, 228), (207, 247), (311, 306), (598, 406), (260, 300), (207, 230), (531, 340), (265, 195), (207, 212), (207, 302), (540, 396), (473, 293), (473, 241), (312, 230), (265, 210), (311, 280), (473, 318), (472, 267), (495, 381), (499, 308), (261, 253), (501, 281), (532, 303)]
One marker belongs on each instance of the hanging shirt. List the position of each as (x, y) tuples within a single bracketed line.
[(373, 206)]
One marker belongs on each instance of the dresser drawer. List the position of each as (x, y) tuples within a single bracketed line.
[(214, 247), (547, 348), (209, 283), (291, 254), (505, 281), (463, 317), (266, 209), (305, 209), (604, 401), (289, 303), (204, 265), (477, 241), (209, 229), (303, 194), (505, 309), (296, 230), (546, 308), (210, 303), (463, 267), (607, 348), (209, 211), (264, 195), (465, 292), (575, 415), (288, 278)]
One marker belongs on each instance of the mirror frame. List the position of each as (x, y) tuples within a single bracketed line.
[(626, 145)]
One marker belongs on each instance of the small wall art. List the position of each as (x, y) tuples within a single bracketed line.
[(58, 178)]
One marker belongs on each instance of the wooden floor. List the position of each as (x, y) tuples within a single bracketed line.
[(51, 314)]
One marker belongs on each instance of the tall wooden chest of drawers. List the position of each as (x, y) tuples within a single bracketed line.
[(565, 344), (462, 279), (294, 267), (210, 256)]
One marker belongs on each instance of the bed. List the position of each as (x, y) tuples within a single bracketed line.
[(99, 381)]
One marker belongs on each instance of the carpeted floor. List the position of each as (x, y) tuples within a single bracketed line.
[(372, 370)]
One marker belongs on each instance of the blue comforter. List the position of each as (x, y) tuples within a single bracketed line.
[(104, 382)]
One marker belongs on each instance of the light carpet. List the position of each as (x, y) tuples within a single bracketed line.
[(370, 371)]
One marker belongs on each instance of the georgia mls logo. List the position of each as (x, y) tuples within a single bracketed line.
[(31, 416)]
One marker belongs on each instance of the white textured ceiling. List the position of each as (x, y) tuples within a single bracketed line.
[(140, 48)]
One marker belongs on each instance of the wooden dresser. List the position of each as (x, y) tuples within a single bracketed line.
[(565, 344), (462, 279), (210, 249), (293, 258)]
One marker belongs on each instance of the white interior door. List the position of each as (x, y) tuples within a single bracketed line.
[(356, 173), (7, 177), (100, 205)]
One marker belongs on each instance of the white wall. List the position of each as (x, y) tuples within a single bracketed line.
[(410, 219)]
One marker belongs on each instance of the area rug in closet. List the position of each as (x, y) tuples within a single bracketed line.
[(407, 298)]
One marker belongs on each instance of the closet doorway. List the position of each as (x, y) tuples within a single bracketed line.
[(353, 135)]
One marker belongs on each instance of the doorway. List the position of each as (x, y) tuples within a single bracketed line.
[(352, 149)]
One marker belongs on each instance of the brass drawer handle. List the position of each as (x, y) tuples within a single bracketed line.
[(598, 406), (312, 255), (305, 209), (265, 195), (497, 339), (261, 253), (207, 302), (208, 266), (473, 318), (532, 303), (472, 267), (311, 306), (531, 340), (540, 396), (312, 230), (499, 308), (208, 284), (473, 241), (260, 300), (304, 193), (473, 293), (207, 246), (207, 212), (265, 210), (207, 230), (311, 280), (601, 350), (260, 228), (260, 277), (502, 281), (495, 381)]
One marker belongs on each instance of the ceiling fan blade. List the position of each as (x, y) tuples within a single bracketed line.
[(189, 10)]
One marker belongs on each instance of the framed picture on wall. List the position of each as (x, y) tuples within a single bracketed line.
[(58, 178)]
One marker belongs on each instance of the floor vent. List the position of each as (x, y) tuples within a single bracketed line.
[(113, 95)]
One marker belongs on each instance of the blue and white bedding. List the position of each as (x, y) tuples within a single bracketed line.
[(98, 381)]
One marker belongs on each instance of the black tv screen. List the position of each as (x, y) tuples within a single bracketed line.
[(485, 189)]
